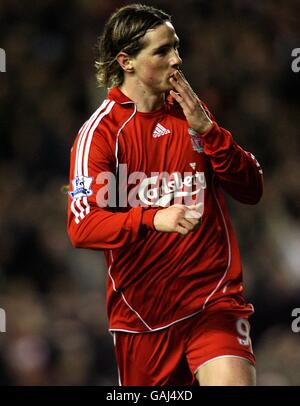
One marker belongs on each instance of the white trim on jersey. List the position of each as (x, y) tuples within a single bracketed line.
[(81, 209), (84, 151), (154, 329), (82, 133), (228, 241), (83, 130), (112, 279), (82, 154), (118, 134), (134, 311), (90, 137), (123, 297)]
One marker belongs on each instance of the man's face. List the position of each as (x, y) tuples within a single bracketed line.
[(158, 60)]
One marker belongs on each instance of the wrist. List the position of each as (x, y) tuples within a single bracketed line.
[(148, 218), (205, 127)]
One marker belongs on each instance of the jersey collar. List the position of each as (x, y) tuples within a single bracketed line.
[(119, 97)]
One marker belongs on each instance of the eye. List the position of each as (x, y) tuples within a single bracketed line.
[(163, 52)]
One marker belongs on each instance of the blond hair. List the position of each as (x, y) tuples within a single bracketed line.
[(124, 31)]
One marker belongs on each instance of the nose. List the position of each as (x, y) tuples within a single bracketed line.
[(176, 61)]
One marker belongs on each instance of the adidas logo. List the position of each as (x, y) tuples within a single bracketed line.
[(160, 130)]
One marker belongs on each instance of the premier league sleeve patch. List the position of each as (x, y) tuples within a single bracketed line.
[(81, 187)]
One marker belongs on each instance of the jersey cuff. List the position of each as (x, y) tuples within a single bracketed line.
[(203, 135), (148, 218), (216, 139), (210, 131)]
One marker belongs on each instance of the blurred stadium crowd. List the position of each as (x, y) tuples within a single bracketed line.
[(237, 56)]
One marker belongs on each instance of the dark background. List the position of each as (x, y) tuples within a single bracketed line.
[(237, 57)]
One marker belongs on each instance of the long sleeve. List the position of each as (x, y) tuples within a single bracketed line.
[(237, 170), (92, 223)]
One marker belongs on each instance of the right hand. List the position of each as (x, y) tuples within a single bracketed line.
[(177, 218)]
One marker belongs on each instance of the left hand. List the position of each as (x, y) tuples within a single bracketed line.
[(196, 116)]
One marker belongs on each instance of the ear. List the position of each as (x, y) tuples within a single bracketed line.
[(125, 61)]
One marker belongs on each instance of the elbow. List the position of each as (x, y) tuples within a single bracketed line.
[(255, 197), (259, 192), (257, 200), (74, 241), (74, 238), (254, 200), (255, 192)]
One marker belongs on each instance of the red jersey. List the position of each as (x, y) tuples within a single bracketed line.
[(156, 279)]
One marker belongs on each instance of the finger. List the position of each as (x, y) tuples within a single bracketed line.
[(176, 85), (197, 225), (187, 224), (192, 214), (186, 105), (193, 211), (186, 96), (179, 76), (183, 88), (180, 100), (181, 80), (179, 206), (193, 222), (195, 218), (194, 206), (177, 97), (181, 230)]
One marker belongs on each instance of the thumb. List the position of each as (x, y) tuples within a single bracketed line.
[(192, 211), (194, 206)]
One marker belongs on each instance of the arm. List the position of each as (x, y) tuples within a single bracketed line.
[(90, 223), (237, 170)]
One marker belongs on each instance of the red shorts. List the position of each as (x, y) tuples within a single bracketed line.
[(172, 356)]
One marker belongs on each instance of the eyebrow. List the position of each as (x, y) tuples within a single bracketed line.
[(176, 42)]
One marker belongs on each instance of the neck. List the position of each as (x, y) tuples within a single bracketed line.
[(145, 99)]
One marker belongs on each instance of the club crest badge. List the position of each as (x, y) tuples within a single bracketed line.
[(196, 141)]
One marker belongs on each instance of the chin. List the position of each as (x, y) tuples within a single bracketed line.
[(162, 87), (167, 87), (162, 90)]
